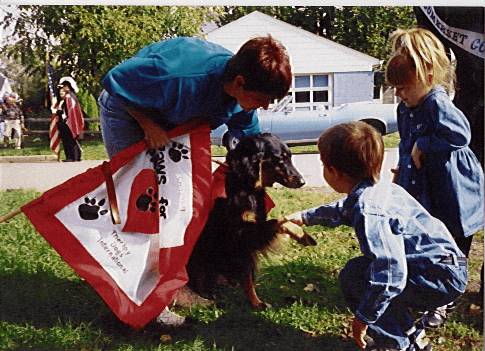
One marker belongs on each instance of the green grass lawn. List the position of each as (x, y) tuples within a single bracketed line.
[(45, 305)]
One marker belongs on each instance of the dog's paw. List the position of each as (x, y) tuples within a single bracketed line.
[(262, 306)]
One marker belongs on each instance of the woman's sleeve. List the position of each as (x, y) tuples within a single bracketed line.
[(243, 124), (450, 130)]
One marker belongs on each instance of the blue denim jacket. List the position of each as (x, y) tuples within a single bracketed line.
[(395, 232), (450, 183)]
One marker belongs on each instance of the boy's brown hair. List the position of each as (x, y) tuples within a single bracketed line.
[(265, 66), (354, 148)]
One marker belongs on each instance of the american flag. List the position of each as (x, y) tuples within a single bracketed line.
[(53, 132)]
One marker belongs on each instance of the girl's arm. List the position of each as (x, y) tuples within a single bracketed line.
[(155, 136), (451, 130)]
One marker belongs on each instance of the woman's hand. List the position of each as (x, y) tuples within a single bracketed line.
[(418, 156), (155, 136)]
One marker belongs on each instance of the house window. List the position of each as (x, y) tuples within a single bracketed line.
[(311, 92), (302, 96)]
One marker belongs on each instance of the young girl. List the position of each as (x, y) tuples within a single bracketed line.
[(436, 166)]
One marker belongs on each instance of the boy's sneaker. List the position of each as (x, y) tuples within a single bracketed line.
[(434, 319), (170, 319), (417, 341), (371, 346), (416, 338)]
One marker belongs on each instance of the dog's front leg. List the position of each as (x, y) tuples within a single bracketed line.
[(250, 291)]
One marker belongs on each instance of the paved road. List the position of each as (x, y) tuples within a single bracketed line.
[(45, 175)]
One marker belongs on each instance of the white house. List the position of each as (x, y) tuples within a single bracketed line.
[(324, 73)]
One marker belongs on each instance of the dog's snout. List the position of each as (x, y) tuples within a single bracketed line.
[(300, 181), (294, 180)]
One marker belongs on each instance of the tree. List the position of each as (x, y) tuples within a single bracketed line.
[(27, 83), (363, 28), (368, 28), (85, 42)]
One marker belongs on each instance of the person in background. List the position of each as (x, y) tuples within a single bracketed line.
[(2, 125), (70, 121), (409, 260), (436, 165), (174, 81), (14, 120)]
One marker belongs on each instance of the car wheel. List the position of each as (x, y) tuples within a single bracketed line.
[(379, 126)]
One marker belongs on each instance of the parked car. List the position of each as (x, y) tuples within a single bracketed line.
[(305, 127)]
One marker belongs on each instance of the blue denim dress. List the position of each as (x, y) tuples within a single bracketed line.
[(175, 80), (450, 183), (403, 247)]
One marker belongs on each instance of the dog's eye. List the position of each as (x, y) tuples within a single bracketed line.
[(285, 154)]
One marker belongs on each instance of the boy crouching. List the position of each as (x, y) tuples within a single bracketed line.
[(409, 257)]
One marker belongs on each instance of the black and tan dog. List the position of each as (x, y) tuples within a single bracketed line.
[(237, 230)]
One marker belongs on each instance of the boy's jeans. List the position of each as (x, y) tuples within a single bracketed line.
[(437, 288)]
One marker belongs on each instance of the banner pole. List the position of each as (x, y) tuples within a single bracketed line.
[(10, 215)]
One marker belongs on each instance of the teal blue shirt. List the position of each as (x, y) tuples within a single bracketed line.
[(182, 79)]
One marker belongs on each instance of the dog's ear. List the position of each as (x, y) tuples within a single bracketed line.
[(245, 161)]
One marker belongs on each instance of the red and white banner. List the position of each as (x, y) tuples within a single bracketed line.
[(163, 197), (75, 118)]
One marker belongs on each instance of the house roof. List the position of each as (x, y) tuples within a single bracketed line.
[(309, 52)]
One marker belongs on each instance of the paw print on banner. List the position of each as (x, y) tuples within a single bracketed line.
[(91, 210), (147, 201), (177, 152), (142, 213)]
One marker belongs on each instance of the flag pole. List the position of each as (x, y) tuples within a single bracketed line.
[(10, 215)]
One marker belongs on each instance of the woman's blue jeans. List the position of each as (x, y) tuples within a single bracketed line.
[(119, 129)]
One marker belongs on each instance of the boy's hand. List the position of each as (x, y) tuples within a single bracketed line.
[(295, 218), (359, 330), (295, 231)]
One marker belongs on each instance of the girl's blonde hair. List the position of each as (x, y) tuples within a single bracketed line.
[(416, 54)]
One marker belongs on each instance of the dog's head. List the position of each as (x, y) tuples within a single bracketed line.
[(262, 160)]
